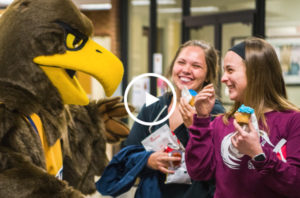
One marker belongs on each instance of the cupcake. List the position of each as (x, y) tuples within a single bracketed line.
[(193, 94), (243, 114)]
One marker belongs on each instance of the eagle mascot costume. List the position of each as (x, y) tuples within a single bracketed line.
[(52, 140)]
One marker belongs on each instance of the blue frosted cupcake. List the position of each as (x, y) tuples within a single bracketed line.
[(243, 114)]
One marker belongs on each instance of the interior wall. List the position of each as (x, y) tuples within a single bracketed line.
[(138, 46), (168, 35), (282, 24), (170, 25), (172, 37), (294, 95)]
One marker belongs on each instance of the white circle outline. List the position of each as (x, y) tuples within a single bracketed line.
[(156, 122)]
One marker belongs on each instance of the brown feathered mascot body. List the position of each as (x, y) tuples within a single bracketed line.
[(43, 142)]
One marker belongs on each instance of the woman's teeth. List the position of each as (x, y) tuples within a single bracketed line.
[(185, 79)]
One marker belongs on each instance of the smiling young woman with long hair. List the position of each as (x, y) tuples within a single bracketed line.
[(194, 66), (267, 162), (265, 87)]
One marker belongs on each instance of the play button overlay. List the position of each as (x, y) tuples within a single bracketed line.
[(150, 99)]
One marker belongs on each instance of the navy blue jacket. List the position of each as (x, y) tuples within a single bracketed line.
[(122, 171), (139, 132)]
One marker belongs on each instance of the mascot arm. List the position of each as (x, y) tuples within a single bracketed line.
[(89, 129), (20, 176), (111, 111), (84, 149)]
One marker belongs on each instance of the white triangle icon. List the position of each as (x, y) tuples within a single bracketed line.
[(150, 99)]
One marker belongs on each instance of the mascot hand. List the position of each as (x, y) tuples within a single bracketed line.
[(73, 194), (112, 110)]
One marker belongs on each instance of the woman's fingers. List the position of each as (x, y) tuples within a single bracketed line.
[(186, 108), (165, 163), (239, 129), (207, 93), (208, 90), (180, 108), (183, 104), (234, 140), (174, 159), (203, 97), (161, 161), (208, 86), (252, 129), (190, 109), (156, 159), (165, 170)]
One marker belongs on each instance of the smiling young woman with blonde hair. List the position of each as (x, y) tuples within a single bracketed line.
[(194, 66)]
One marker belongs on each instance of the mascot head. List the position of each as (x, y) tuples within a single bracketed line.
[(42, 45)]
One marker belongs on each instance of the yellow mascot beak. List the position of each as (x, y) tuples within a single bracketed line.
[(91, 59)]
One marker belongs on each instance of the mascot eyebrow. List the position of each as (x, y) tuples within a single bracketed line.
[(74, 40)]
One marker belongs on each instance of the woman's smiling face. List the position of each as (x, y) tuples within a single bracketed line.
[(234, 76), (190, 68)]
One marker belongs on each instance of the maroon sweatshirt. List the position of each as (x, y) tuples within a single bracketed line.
[(271, 178)]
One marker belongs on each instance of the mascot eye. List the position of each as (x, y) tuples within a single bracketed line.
[(73, 42)]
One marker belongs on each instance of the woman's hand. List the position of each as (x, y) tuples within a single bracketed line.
[(161, 161), (205, 101), (246, 142), (187, 112)]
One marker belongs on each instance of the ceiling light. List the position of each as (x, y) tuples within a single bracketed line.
[(205, 9), (101, 6), (169, 10), (279, 31), (194, 9), (147, 2)]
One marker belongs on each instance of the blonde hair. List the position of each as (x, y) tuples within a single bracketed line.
[(265, 83)]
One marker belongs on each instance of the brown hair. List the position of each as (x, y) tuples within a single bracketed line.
[(211, 59), (265, 83)]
